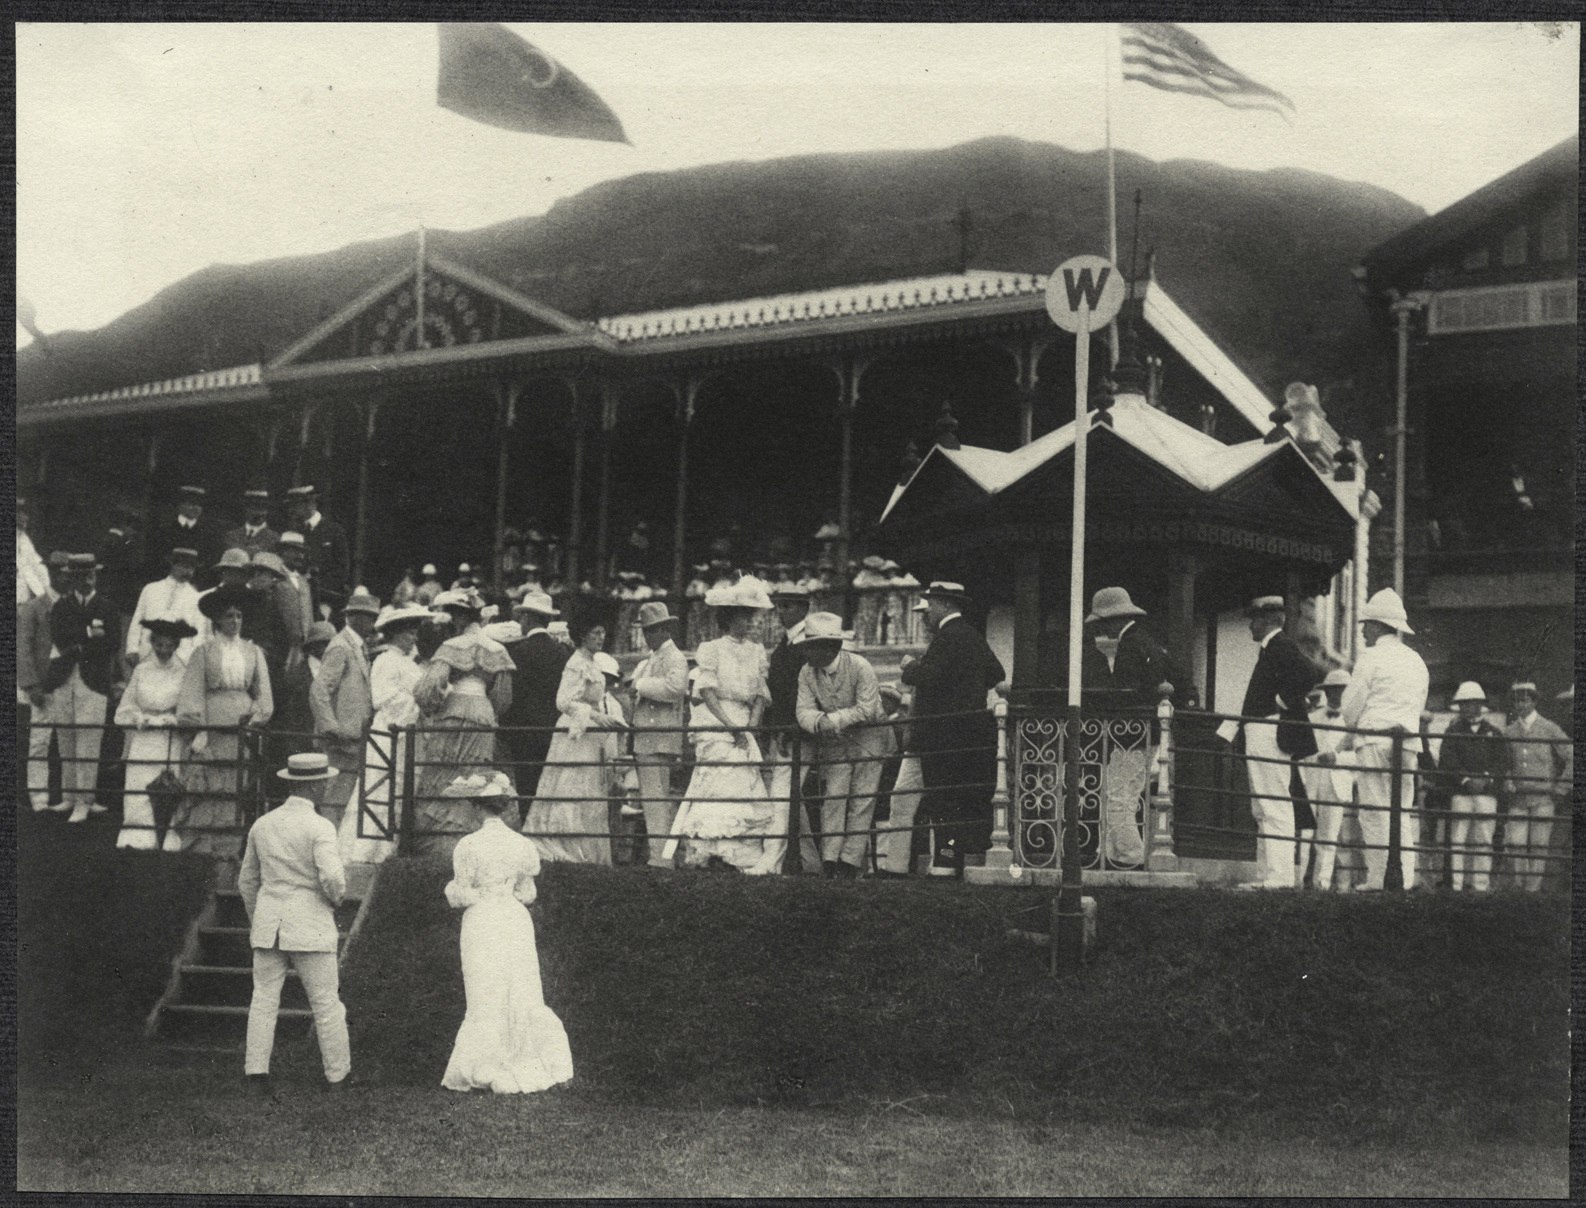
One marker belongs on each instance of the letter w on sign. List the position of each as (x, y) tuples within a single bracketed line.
[(1083, 288)]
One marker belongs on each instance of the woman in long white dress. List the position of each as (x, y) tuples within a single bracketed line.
[(393, 678), (727, 813), (147, 713), (569, 816), (510, 1042)]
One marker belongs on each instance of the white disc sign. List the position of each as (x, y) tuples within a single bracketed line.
[(1084, 284)]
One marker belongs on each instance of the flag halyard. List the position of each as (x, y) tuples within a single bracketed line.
[(491, 75), (1168, 57)]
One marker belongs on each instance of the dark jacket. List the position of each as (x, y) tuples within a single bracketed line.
[(123, 558), (783, 680), (1283, 674), (952, 677), (540, 659), (329, 561), (71, 623), (206, 537), (1472, 753), (1131, 682)]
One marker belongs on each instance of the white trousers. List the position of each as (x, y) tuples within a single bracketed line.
[(849, 804), (1272, 804), (1374, 782), (780, 787), (893, 846), (1472, 827), (1526, 834), (79, 713), (660, 806), (41, 728), (1330, 805), (1123, 796), (321, 982)]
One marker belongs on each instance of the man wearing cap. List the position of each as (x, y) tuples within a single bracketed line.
[(528, 722), (339, 695), (37, 705), (786, 660), (1123, 669), (291, 882), (839, 706), (254, 534), (1541, 773), (1330, 784), (1277, 693), (173, 598), (660, 696), (1472, 764), (325, 543), (85, 630), (292, 551), (953, 733), (1386, 690), (192, 528)]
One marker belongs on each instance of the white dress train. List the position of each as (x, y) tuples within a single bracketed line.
[(510, 1042)]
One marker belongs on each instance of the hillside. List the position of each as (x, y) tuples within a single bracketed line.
[(1261, 259)]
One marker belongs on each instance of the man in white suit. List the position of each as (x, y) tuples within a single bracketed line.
[(291, 881), (340, 693), (173, 598), (660, 695), (1330, 784)]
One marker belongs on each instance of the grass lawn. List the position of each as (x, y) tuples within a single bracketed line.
[(737, 1036)]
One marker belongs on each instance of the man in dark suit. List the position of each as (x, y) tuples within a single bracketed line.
[(86, 630), (1279, 685), (539, 659), (193, 528), (1123, 670), (782, 677), (123, 556), (254, 534), (325, 543), (953, 733)]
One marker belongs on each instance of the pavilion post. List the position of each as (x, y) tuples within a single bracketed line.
[(685, 396), (148, 485), (608, 424), (575, 525), (361, 520), (506, 413), (1293, 597), (1182, 568), (849, 370), (1026, 617)]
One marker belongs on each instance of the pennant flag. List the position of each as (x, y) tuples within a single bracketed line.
[(491, 75), (1166, 56)]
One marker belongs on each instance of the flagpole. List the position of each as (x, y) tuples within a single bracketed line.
[(418, 293), (1112, 174)]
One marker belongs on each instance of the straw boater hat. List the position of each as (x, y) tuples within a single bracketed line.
[(256, 495), (306, 491), (234, 559), (1469, 690), (823, 627), (1523, 687), (193, 494), (407, 613), (293, 538), (83, 562), (656, 613), (213, 604), (169, 627), (311, 765), (1264, 604), (1113, 602), (607, 665), (1387, 609), (791, 591), (537, 602), (362, 601)]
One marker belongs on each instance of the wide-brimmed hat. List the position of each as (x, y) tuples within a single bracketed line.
[(256, 495), (234, 559), (1469, 690), (536, 602), (1387, 609), (1113, 602), (311, 765), (1336, 678), (217, 601), (748, 592), (59, 558), (873, 562), (168, 627), (943, 590), (362, 600), (265, 560), (461, 598), (828, 532), (480, 784), (1264, 604), (319, 631), (823, 627), (407, 613), (607, 665), (656, 613)]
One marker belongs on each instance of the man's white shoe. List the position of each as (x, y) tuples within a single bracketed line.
[(60, 807), (79, 814), (96, 808)]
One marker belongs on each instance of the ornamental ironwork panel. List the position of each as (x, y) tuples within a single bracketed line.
[(1115, 761)]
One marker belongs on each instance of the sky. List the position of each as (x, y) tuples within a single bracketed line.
[(147, 152)]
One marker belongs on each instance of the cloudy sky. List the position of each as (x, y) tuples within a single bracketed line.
[(145, 152)]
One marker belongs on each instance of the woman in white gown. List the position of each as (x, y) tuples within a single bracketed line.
[(147, 712), (393, 678), (727, 812), (510, 1041)]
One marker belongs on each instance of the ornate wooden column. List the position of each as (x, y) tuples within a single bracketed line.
[(302, 443), (850, 369), (149, 501), (360, 537), (684, 394), (506, 419), (1026, 354), (608, 424), (1182, 567)]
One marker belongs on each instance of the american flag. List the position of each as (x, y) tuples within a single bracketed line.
[(1169, 57)]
